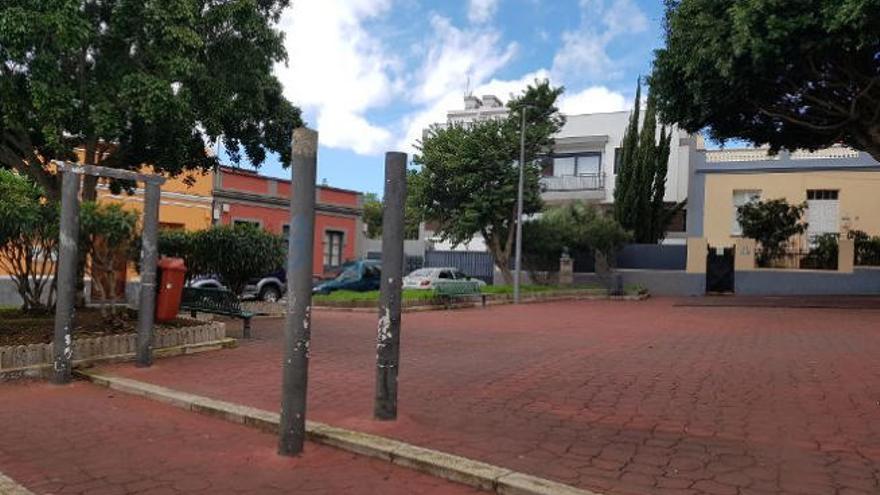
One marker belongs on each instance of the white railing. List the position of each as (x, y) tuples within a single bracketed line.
[(592, 182), (832, 153), (763, 154), (740, 155)]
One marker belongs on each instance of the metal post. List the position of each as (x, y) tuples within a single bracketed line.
[(519, 207), (66, 283), (297, 329), (388, 340), (149, 257)]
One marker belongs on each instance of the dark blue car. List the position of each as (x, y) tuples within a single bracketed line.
[(359, 276)]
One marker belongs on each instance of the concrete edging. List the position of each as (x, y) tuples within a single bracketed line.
[(45, 370), (8, 486), (440, 464)]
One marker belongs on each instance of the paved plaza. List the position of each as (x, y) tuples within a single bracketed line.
[(618, 397)]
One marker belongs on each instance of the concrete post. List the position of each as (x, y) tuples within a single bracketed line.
[(697, 253), (297, 329), (566, 270), (67, 257), (745, 255), (149, 258), (388, 340), (846, 252)]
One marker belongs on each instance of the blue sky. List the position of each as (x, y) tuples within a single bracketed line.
[(371, 74)]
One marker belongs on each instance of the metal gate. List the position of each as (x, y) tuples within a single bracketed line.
[(473, 264), (720, 272)]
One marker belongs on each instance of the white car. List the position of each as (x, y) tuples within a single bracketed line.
[(427, 278)]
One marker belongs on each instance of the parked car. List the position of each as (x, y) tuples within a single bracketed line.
[(360, 276), (427, 278), (269, 288)]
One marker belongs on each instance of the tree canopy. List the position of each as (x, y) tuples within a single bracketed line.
[(795, 74), (134, 82), (469, 173)]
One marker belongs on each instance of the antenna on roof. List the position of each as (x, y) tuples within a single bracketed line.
[(467, 87)]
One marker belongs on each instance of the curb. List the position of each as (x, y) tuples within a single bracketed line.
[(440, 464), (8, 486)]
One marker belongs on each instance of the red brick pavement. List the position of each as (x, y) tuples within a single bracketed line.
[(83, 439), (626, 398)]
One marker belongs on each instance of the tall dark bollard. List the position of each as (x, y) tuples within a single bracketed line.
[(388, 340), (297, 331), (67, 256), (149, 258)]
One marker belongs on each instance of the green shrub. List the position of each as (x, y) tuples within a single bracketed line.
[(824, 254), (772, 224), (867, 248), (234, 254)]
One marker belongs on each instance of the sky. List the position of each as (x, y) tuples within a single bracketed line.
[(370, 75)]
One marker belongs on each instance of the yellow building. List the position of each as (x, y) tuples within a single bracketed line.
[(186, 201), (840, 186)]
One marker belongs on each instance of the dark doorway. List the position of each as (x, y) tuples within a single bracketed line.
[(720, 273)]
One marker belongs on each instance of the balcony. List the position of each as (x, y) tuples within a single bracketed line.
[(573, 183)]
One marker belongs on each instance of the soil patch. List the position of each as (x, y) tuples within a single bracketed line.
[(20, 328)]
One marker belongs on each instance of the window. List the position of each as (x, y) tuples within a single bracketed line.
[(239, 221), (740, 198), (171, 226), (333, 248), (445, 274), (618, 160), (822, 194), (583, 164)]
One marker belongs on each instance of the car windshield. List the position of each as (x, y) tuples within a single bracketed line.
[(424, 272), (349, 274)]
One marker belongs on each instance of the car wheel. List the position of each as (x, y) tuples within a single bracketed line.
[(270, 293)]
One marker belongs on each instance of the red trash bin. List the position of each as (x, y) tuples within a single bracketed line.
[(172, 273)]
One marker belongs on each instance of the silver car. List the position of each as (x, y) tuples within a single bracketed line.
[(427, 278)]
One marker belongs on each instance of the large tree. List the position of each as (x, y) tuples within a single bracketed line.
[(467, 183), (641, 180), (791, 74), (133, 82)]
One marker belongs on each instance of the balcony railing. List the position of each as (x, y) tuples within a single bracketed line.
[(592, 182)]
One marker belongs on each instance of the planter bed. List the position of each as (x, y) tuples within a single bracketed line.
[(416, 305), (90, 345)]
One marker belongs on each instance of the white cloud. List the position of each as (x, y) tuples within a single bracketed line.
[(456, 60), (584, 51), (481, 10), (338, 70), (595, 99)]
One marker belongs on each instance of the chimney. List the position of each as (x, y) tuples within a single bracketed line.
[(492, 101)]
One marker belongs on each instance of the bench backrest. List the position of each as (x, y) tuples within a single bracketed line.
[(459, 288), (210, 300)]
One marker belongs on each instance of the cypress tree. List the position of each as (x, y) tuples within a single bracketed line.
[(641, 180)]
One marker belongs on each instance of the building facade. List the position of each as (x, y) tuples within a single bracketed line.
[(242, 196), (839, 186), (585, 160)]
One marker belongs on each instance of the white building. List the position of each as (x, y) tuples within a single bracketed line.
[(585, 160)]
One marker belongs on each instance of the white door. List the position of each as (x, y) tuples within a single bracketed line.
[(823, 212)]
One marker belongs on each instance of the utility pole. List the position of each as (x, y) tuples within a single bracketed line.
[(519, 206), (297, 329), (149, 258), (388, 339), (62, 344)]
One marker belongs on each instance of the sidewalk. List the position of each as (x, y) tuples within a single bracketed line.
[(83, 439), (617, 397)]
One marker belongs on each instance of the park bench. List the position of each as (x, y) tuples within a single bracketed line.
[(218, 302), (451, 291)]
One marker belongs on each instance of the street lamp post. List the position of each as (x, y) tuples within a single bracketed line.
[(519, 206)]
